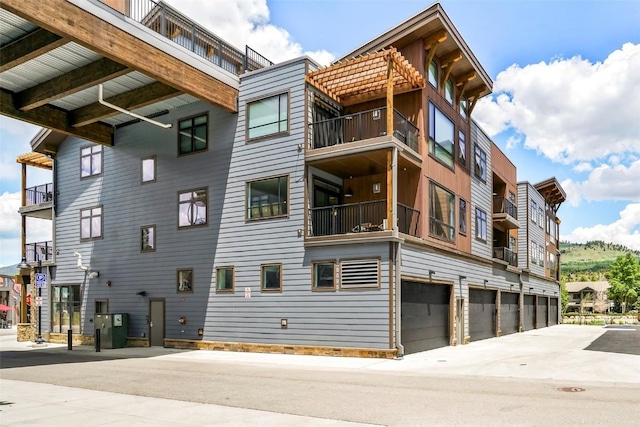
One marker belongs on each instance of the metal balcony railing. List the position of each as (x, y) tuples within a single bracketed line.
[(348, 218), (504, 205), (360, 126), (408, 220), (39, 194), (507, 255), (170, 23), (42, 251)]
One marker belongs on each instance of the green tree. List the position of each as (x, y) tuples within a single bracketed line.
[(564, 295), (624, 280)]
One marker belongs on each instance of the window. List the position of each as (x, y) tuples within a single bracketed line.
[(448, 91), (192, 136), (481, 225), (462, 214), (463, 107), (441, 136), (192, 208), (148, 238), (462, 148), (149, 169), (441, 213), (433, 74), (91, 223), (271, 277), (534, 211), (267, 198), (65, 309), (268, 116), (541, 217), (185, 281), (225, 279), (324, 274), (91, 161), (480, 158)]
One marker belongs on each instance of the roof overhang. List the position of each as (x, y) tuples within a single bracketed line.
[(552, 192)]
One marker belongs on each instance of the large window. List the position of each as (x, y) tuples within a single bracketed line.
[(91, 161), (149, 169), (65, 309), (268, 116), (267, 198), (225, 279), (148, 238), (441, 213), (192, 208), (481, 225), (192, 135), (324, 274), (480, 163), (271, 277), (91, 223), (441, 136)]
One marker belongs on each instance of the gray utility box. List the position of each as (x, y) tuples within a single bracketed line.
[(113, 329)]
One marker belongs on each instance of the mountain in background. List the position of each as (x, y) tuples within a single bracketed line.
[(591, 259)]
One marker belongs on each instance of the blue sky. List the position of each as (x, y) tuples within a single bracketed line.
[(566, 95)]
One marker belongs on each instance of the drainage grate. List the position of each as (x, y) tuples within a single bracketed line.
[(571, 389)]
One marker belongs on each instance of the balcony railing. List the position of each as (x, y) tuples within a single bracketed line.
[(504, 205), (170, 23), (360, 126), (348, 218), (42, 251), (507, 255), (39, 194), (408, 220)]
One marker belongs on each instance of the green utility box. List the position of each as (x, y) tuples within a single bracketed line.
[(113, 329)]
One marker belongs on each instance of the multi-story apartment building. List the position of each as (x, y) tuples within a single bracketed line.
[(354, 209)]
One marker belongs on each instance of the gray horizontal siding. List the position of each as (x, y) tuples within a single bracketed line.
[(481, 194)]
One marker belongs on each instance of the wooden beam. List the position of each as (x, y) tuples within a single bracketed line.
[(136, 98), (28, 47), (74, 81), (56, 119), (389, 96), (70, 21), (437, 37), (465, 78), (454, 56)]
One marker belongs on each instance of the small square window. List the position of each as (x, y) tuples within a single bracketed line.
[(91, 161), (148, 238), (324, 275), (267, 198), (268, 116), (271, 277), (185, 281), (192, 135), (192, 208), (149, 169), (225, 279)]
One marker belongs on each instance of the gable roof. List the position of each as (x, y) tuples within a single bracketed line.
[(580, 286)]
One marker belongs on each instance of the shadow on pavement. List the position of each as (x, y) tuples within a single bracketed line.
[(625, 340)]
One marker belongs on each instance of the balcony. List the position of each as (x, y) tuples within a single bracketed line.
[(361, 217), (505, 213), (362, 126), (507, 255), (40, 251), (39, 202)]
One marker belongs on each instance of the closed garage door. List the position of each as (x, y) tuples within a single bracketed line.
[(425, 316), (482, 314), (508, 313), (543, 311), (553, 315), (529, 313)]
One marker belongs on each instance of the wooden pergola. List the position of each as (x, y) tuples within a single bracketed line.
[(37, 160), (372, 76)]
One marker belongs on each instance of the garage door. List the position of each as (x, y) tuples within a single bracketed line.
[(553, 315), (543, 311), (482, 314), (529, 313), (425, 316), (508, 313)]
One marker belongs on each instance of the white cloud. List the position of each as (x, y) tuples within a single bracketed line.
[(246, 22), (9, 216), (583, 167), (570, 109), (606, 183), (625, 231)]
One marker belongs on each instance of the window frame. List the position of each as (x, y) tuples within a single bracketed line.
[(276, 134), (100, 152), (263, 287), (179, 279), (192, 127), (533, 209), (155, 170), (479, 153), (91, 216), (463, 108), (233, 279), (57, 312), (463, 161), (314, 285), (449, 89), (433, 144), (205, 190), (282, 205), (154, 238), (462, 216), (432, 219), (479, 220), (434, 82)]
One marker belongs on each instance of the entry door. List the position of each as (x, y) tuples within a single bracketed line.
[(325, 221), (156, 322)]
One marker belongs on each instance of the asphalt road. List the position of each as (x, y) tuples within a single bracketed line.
[(376, 392)]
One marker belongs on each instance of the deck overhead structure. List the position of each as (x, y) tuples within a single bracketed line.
[(552, 192), (54, 54)]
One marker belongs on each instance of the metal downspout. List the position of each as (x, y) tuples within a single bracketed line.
[(397, 253)]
